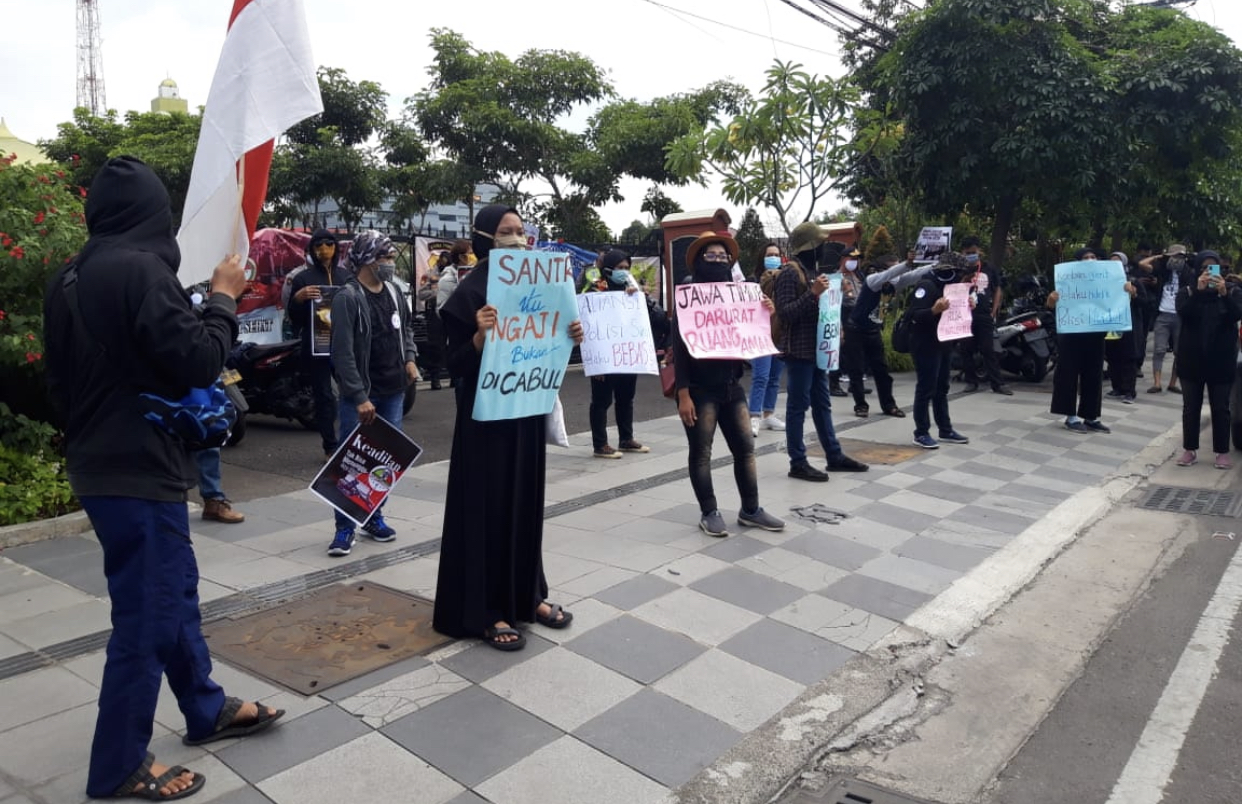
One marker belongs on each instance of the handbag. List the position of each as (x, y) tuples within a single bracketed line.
[(668, 376), (555, 425), (901, 333)]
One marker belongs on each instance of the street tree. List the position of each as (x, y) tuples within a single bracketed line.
[(634, 234), (785, 149), (751, 239), (657, 205)]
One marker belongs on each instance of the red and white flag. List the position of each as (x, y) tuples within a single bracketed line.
[(265, 83)]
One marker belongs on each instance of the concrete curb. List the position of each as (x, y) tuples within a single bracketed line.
[(43, 529), (885, 682)]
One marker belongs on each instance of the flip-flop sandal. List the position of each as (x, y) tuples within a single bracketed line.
[(491, 637), (226, 728), (150, 790), (556, 618)]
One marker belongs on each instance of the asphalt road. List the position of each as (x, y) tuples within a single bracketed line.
[(278, 456)]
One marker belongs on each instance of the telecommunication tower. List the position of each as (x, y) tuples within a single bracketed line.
[(90, 59)]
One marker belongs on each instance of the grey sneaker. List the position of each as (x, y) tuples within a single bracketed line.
[(760, 518), (713, 524)]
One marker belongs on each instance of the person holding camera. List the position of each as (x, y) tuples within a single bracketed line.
[(1168, 269), (1207, 352), (931, 355)]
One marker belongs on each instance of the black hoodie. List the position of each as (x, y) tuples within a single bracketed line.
[(142, 336), (315, 274)]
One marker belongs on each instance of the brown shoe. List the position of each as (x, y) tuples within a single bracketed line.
[(219, 510)]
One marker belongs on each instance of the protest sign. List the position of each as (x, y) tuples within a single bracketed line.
[(525, 355), (933, 243), (362, 472), (955, 322), (321, 321), (1092, 297), (616, 334), (828, 350), (724, 320)]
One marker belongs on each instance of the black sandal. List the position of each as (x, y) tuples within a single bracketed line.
[(491, 636), (551, 620), (226, 728), (150, 790)]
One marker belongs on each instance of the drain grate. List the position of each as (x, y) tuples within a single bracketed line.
[(1202, 502), (853, 791)]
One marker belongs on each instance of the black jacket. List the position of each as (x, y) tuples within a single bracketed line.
[(1207, 345), (143, 336), (314, 274), (923, 322)]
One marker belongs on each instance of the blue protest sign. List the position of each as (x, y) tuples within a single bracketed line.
[(1092, 297), (526, 353), (828, 350)]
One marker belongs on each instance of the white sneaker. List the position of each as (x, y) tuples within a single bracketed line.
[(754, 426), (773, 423)]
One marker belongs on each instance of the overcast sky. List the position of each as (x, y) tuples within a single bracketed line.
[(647, 49)]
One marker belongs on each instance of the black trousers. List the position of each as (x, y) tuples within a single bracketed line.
[(320, 371), (1192, 409), (606, 389), (724, 407), (1079, 376), (982, 341), (863, 350), (1122, 364)]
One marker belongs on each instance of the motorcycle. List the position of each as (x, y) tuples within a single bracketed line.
[(272, 382), (1024, 341)]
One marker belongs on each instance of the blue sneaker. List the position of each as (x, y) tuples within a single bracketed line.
[(954, 437), (342, 543), (926, 442), (378, 529)]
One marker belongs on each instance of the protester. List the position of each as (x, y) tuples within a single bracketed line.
[(428, 291), (373, 350), (765, 372), (798, 288), (132, 330), (849, 364), (1079, 375), (709, 394), (1148, 287), (985, 284), (216, 506), (1209, 308), (491, 563), (865, 337), (1122, 349), (607, 388), (1167, 269), (461, 260), (321, 271), (931, 355)]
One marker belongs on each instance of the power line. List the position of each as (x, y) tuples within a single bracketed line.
[(743, 30), (834, 26)]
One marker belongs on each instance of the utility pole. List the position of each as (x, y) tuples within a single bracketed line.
[(90, 59)]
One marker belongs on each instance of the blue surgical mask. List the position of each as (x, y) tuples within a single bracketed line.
[(851, 265), (622, 277), (771, 263), (971, 259)]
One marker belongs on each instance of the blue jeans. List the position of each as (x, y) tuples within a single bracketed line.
[(765, 383), (209, 482), (387, 408), (807, 387), (156, 632), (931, 368)]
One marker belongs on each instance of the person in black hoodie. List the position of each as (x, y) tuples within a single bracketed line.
[(135, 332), (931, 355), (322, 270)]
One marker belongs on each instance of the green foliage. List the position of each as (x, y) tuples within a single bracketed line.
[(33, 483), (751, 240), (41, 227), (657, 205), (784, 150), (352, 110), (880, 245), (634, 234)]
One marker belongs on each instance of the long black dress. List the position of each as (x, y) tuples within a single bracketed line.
[(491, 565)]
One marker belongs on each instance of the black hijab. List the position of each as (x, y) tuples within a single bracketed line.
[(485, 225), (471, 293)]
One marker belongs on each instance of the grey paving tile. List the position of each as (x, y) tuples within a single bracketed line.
[(834, 550), (1056, 439), (987, 470), (920, 467), (482, 661), (471, 735), (1032, 457), (635, 592), (910, 573), (400, 696), (36, 695), (877, 597), (635, 648), (732, 690), (36, 553), (701, 617), (375, 678), (873, 491), (659, 736), (791, 652), (735, 548), (467, 797), (1087, 456), (44, 749), (247, 795), (563, 688), (748, 590), (943, 554), (947, 491), (571, 772), (896, 516), (1033, 493), (289, 509), (992, 519), (292, 743), (90, 579), (1068, 475)]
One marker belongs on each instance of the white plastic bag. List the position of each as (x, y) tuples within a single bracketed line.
[(557, 436)]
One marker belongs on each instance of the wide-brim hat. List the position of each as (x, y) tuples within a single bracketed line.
[(805, 236), (706, 239)]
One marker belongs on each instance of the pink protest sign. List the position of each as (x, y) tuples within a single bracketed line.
[(724, 320), (955, 322)]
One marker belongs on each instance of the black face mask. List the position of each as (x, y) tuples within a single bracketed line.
[(946, 276), (712, 271)]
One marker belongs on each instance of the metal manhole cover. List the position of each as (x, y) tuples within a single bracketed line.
[(871, 452), (331, 636), (853, 791), (1193, 501)]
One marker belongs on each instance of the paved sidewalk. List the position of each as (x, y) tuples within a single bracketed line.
[(681, 646)]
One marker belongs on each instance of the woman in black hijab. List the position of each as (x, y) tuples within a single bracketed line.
[(491, 564)]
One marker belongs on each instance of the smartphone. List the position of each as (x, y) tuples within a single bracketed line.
[(1214, 270)]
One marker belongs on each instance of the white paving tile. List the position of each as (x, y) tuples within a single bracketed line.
[(729, 689), (568, 771), (562, 687), (698, 616), (397, 698)]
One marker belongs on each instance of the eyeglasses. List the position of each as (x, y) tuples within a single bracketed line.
[(713, 256)]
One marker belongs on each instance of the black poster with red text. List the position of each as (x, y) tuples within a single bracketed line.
[(362, 472)]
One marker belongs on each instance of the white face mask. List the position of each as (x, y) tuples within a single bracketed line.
[(851, 265), (510, 241)]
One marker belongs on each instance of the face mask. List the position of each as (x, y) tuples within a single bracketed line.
[(510, 241), (946, 276), (771, 263), (622, 277), (712, 272), (385, 271), (972, 259), (851, 265)]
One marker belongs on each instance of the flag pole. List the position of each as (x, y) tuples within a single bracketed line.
[(241, 195)]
